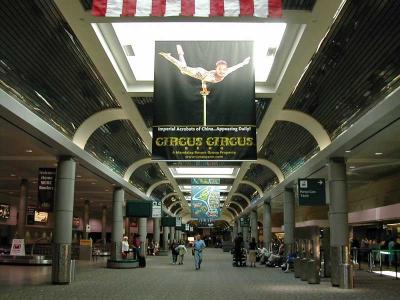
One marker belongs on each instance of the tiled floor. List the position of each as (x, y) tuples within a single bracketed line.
[(217, 279)]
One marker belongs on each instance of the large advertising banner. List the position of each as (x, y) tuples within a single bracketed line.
[(46, 188), (205, 202), (204, 101)]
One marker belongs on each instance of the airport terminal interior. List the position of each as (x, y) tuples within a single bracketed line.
[(199, 149)]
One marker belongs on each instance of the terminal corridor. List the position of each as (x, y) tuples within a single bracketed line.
[(216, 279)]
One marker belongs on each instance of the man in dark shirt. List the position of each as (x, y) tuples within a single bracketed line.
[(238, 248)]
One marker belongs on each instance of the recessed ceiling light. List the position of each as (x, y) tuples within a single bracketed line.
[(352, 167), (93, 182), (78, 176), (13, 175), (106, 190), (378, 153), (347, 151), (28, 151)]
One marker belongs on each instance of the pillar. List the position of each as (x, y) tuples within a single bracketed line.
[(63, 214), (338, 222), (165, 238), (235, 230), (143, 235), (22, 208), (86, 219), (267, 232), (117, 223), (172, 234), (126, 226), (254, 225), (288, 220), (245, 232), (104, 224), (239, 228), (156, 230)]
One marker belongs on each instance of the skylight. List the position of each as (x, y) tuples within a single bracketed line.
[(137, 41), (187, 172)]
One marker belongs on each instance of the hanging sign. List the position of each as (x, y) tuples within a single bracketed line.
[(312, 191), (205, 202), (244, 222), (204, 101), (46, 187), (157, 208)]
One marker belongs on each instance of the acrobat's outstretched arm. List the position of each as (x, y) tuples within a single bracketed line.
[(238, 66)]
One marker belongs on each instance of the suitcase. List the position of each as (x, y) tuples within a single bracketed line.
[(142, 261)]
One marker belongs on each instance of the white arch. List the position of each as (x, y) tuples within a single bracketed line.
[(154, 185), (242, 196), (89, 126), (274, 168), (238, 204), (174, 204), (178, 210), (137, 164), (307, 122), (230, 209), (170, 194), (253, 185)]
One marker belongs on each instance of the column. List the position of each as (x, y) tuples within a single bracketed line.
[(117, 223), (172, 234), (338, 221), (267, 232), (235, 230), (63, 214), (143, 235), (104, 224), (288, 219), (86, 219), (22, 209), (165, 238), (254, 225), (177, 234), (239, 228), (126, 226), (156, 230), (245, 232)]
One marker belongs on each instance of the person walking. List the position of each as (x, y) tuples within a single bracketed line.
[(181, 249), (198, 247), (174, 252), (252, 252)]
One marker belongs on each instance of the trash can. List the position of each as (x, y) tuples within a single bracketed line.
[(346, 276), (303, 269), (296, 264), (313, 271), (72, 270)]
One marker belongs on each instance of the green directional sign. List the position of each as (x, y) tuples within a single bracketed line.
[(205, 181), (312, 191), (244, 222)]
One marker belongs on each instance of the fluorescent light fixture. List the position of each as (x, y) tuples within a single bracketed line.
[(140, 38), (347, 151), (222, 188), (204, 172), (352, 167), (28, 151), (378, 153)]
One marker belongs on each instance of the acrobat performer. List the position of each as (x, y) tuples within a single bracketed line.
[(214, 76)]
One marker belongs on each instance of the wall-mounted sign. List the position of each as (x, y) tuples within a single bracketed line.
[(30, 215), (18, 247), (157, 209), (204, 106), (244, 222), (312, 191), (139, 208), (46, 187)]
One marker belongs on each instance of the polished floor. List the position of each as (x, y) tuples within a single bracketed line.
[(216, 279)]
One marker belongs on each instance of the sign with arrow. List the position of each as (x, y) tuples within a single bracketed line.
[(312, 191)]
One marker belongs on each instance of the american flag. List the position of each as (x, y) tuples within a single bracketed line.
[(187, 8)]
